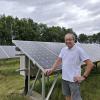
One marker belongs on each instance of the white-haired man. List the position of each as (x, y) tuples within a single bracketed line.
[(71, 58)]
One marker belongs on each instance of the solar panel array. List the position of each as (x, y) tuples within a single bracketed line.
[(92, 50), (36, 51), (7, 52), (45, 53)]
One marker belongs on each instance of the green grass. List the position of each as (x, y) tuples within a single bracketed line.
[(90, 88), (11, 83)]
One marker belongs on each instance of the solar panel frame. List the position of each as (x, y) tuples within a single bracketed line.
[(51, 48), (36, 63), (30, 45)]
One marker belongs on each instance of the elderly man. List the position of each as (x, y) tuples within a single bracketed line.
[(71, 58)]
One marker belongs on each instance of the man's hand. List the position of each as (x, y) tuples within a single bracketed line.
[(48, 71), (55, 65), (88, 69), (79, 79)]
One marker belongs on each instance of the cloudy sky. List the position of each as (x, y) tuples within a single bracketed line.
[(81, 15)]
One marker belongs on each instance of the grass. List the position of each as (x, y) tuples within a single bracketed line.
[(90, 88), (11, 83)]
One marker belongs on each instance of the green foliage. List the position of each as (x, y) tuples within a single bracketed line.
[(27, 29), (83, 38), (11, 83), (95, 38), (90, 89)]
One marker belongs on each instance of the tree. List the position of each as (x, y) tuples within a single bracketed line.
[(27, 29), (83, 38)]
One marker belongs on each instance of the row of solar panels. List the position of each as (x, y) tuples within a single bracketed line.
[(45, 53), (7, 52)]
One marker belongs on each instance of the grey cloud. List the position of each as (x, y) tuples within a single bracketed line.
[(80, 15), (88, 26), (36, 2)]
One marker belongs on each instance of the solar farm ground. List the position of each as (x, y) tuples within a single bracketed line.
[(11, 83)]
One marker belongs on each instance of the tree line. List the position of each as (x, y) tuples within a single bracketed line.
[(27, 29), (95, 38)]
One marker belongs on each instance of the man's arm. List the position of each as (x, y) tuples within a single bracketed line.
[(88, 68), (55, 65)]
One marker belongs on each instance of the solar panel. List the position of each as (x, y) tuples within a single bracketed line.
[(92, 50), (2, 53), (7, 52), (45, 53), (53, 46), (37, 52)]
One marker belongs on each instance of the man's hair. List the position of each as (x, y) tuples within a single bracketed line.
[(72, 35)]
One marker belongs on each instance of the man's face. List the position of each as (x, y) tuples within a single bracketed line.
[(69, 40)]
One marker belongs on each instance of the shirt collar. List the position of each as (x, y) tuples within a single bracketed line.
[(74, 46)]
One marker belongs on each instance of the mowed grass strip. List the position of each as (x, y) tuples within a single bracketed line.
[(11, 83)]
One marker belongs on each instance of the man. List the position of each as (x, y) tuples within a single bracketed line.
[(71, 58)]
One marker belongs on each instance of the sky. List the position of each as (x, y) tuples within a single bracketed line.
[(83, 16)]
